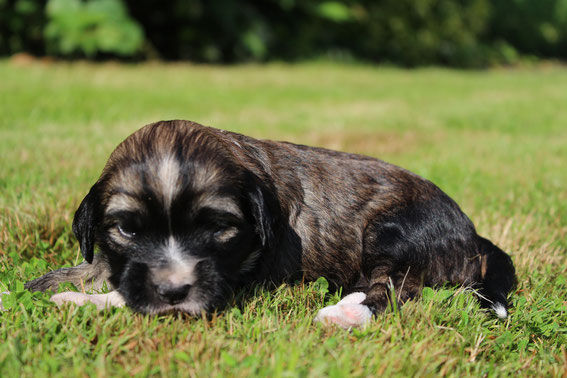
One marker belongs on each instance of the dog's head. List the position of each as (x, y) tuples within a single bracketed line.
[(180, 217)]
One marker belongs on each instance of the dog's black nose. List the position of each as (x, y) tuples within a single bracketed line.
[(172, 294)]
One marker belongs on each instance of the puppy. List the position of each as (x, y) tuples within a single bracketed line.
[(183, 215)]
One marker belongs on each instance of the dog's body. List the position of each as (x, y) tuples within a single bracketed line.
[(185, 214)]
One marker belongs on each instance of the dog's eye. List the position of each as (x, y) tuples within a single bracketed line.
[(127, 231), (224, 234), (125, 223)]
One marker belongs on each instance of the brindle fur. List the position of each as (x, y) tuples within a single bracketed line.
[(360, 222)]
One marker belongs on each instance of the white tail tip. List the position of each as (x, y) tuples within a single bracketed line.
[(500, 311)]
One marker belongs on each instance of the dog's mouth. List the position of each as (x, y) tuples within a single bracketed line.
[(185, 300), (189, 307), (194, 302)]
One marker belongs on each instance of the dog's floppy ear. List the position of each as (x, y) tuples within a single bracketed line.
[(265, 211), (84, 223)]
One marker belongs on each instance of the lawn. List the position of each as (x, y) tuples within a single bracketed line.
[(496, 141)]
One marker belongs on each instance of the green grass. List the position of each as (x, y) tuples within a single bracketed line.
[(496, 141)]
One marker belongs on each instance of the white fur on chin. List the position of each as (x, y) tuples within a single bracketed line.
[(348, 313)]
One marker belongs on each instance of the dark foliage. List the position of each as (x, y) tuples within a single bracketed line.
[(465, 33), (21, 26)]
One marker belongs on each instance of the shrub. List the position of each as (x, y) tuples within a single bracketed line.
[(537, 27), (90, 28), (415, 32), (408, 32), (21, 26), (464, 33)]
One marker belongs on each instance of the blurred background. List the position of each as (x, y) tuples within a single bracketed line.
[(458, 33), (326, 73)]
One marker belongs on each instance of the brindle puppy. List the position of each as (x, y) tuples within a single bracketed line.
[(184, 215)]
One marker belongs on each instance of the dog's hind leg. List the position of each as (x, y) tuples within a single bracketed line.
[(88, 276), (388, 276), (392, 288), (386, 287)]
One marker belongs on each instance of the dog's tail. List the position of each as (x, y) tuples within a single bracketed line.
[(498, 278)]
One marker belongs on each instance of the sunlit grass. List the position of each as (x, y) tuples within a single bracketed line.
[(496, 141)]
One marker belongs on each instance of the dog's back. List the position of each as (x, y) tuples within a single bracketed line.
[(357, 217)]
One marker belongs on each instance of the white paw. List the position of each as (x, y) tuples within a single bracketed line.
[(101, 301), (348, 313), (356, 298)]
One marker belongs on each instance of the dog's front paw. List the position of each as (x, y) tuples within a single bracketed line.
[(101, 301), (348, 313)]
